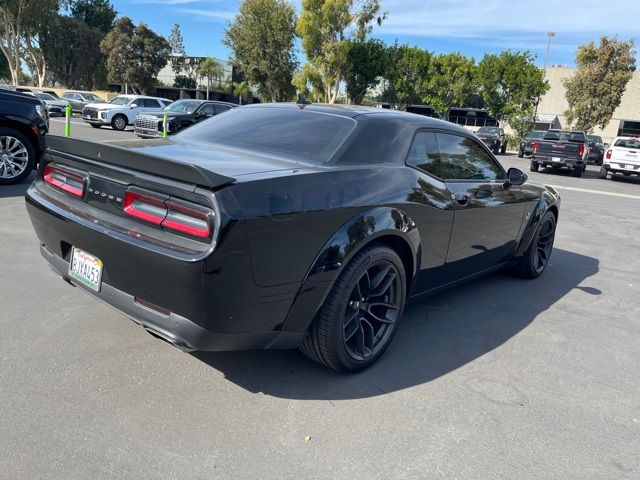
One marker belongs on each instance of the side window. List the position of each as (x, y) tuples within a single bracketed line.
[(424, 153), (207, 109), (220, 109), (462, 158), (150, 103)]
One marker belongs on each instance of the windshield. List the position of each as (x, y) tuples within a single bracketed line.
[(183, 106), (121, 101), (44, 96), (491, 130), (311, 137), (93, 98), (555, 135), (594, 139), (536, 134), (633, 143)]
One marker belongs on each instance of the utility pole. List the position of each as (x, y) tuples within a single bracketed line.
[(550, 35)]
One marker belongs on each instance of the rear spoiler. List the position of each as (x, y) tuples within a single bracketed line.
[(130, 159)]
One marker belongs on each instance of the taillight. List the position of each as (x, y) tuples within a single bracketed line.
[(144, 207), (168, 214), (535, 146), (581, 151), (187, 220), (64, 180), (608, 154)]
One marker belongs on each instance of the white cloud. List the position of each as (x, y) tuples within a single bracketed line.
[(209, 14)]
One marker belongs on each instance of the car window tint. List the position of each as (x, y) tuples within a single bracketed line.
[(424, 153), (462, 158), (628, 143), (220, 109), (304, 135), (207, 109), (150, 103)]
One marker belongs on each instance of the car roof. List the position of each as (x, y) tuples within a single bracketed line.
[(362, 112)]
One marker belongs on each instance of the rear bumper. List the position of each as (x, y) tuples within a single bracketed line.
[(628, 168), (545, 160), (175, 329)]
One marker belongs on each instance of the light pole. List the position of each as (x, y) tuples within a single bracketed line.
[(550, 35)]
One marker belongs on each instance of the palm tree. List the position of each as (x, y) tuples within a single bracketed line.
[(212, 70)]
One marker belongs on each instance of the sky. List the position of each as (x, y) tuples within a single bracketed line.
[(472, 27)]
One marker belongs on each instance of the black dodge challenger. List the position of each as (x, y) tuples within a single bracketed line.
[(276, 226)]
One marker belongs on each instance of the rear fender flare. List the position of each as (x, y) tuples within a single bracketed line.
[(547, 200), (361, 230)]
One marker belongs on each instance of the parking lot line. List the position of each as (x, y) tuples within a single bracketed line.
[(61, 120), (597, 192)]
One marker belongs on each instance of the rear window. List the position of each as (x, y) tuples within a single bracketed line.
[(628, 143), (298, 134), (565, 136), (536, 134)]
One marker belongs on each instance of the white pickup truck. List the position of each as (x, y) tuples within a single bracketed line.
[(623, 156), (121, 111)]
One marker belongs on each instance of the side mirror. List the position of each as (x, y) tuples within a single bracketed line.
[(606, 145), (201, 114), (133, 105), (515, 176)]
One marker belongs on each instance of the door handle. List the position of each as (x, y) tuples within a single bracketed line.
[(461, 198)]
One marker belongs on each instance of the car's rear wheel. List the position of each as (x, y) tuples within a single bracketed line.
[(520, 153), (119, 122), (536, 258), (360, 315), (17, 156), (503, 150), (603, 173), (576, 171), (534, 166)]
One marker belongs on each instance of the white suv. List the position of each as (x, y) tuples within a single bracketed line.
[(623, 156), (121, 111)]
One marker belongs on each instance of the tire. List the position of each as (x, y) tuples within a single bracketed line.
[(534, 167), (503, 150), (94, 125), (17, 156), (496, 150), (576, 172), (536, 258), (520, 153), (345, 335), (602, 174), (119, 122)]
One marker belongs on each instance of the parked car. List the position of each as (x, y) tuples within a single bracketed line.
[(79, 100), (526, 144), (596, 149), (494, 138), (561, 149), (181, 114), (55, 107), (623, 156), (276, 226), (121, 111), (23, 126)]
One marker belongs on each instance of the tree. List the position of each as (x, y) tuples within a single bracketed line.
[(135, 55), (309, 83), (325, 27), (366, 63), (262, 39), (175, 41), (5, 72), (596, 89), (72, 52), (406, 75), (241, 90), (98, 14), (450, 83), (21, 22), (510, 83), (211, 69)]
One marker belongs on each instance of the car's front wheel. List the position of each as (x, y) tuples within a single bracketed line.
[(17, 156), (603, 173), (520, 153), (119, 122), (534, 167), (503, 149), (360, 315)]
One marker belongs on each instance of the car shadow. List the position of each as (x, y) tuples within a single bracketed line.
[(437, 335), (17, 190)]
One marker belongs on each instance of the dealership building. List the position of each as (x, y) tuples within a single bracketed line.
[(626, 118)]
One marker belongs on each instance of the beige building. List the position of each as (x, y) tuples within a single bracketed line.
[(555, 103)]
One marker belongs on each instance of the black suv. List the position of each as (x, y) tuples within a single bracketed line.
[(23, 126), (494, 138)]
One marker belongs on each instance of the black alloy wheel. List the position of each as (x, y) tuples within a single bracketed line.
[(372, 311), (360, 315), (536, 258)]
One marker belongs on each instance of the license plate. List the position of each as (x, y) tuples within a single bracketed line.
[(556, 159), (85, 269), (87, 116)]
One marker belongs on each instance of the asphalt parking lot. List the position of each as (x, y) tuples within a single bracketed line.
[(498, 379)]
